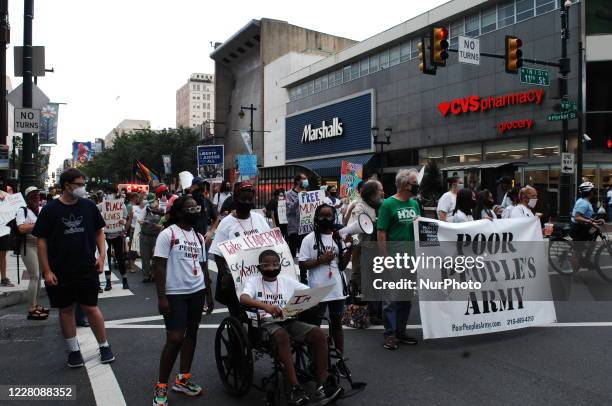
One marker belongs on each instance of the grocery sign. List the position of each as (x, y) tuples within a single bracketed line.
[(482, 104)]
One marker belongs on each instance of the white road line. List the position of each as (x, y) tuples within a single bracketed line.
[(104, 385), (150, 318), (116, 291)]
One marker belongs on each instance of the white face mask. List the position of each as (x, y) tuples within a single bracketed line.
[(532, 203), (459, 186), (79, 192)]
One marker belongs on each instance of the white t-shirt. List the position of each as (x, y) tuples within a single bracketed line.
[(609, 195), (276, 293), (324, 274), (231, 227), (447, 205), (491, 214), (136, 210), (21, 219), (219, 199), (520, 211), (183, 271), (507, 212), (461, 217)]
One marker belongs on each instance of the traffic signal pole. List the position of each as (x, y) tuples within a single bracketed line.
[(5, 37), (27, 175), (564, 68)]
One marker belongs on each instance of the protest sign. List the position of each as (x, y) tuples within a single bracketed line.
[(8, 210), (210, 162), (247, 166), (242, 255), (514, 287), (112, 212), (350, 176), (309, 201), (305, 299), (281, 211)]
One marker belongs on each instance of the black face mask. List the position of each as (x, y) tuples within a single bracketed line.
[(324, 224), (488, 204), (414, 189), (472, 204), (243, 206), (333, 194), (375, 204), (270, 273), (191, 218)]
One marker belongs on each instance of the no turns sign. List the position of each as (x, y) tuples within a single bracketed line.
[(27, 120)]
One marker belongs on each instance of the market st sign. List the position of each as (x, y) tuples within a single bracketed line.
[(325, 131), (482, 104)]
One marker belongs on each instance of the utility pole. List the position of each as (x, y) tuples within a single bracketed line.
[(564, 69), (28, 177), (580, 108), (251, 108), (5, 39)]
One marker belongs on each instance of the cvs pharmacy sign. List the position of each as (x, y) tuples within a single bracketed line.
[(325, 131), (476, 103)]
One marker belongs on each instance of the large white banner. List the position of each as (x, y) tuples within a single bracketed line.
[(8, 209), (242, 255), (515, 288)]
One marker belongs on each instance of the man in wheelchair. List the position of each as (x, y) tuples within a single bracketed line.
[(269, 294)]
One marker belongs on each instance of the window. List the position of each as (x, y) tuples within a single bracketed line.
[(293, 94), (488, 20), (317, 85), (332, 79), (365, 67), (472, 26), (374, 63), (298, 92), (544, 6), (346, 74), (355, 71), (545, 146), (524, 9), (509, 149), (505, 15), (464, 153), (414, 49), (431, 154), (338, 77), (208, 96), (310, 87), (456, 29), (324, 82), (394, 56), (384, 59), (405, 51)]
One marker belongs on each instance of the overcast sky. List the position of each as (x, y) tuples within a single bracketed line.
[(117, 59)]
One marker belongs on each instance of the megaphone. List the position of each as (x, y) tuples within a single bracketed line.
[(363, 225), (186, 178)]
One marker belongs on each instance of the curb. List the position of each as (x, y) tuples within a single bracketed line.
[(16, 297)]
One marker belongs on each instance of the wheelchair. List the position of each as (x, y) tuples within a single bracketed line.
[(241, 342)]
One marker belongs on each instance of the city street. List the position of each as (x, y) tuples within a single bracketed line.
[(563, 363)]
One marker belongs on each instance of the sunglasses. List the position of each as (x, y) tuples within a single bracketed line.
[(193, 209), (331, 218)]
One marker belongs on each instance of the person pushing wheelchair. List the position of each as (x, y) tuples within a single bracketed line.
[(269, 294)]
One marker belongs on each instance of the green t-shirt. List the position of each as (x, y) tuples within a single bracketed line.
[(395, 217)]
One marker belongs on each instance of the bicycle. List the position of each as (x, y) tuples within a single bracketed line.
[(561, 249)]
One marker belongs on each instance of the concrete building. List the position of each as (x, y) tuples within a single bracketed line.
[(125, 126), (377, 83), (195, 101), (248, 67)]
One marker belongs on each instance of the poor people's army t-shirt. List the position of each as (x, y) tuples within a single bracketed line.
[(70, 232), (396, 216), (276, 293)]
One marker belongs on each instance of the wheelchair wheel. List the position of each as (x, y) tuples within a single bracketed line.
[(276, 391), (560, 256), (234, 357)]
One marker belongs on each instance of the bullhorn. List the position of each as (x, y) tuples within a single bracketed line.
[(363, 225)]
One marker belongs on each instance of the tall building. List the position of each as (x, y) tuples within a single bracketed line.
[(123, 127), (195, 100)]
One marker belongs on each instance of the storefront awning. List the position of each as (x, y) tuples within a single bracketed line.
[(330, 167), (478, 166)]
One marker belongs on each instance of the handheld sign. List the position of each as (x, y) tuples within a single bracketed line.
[(112, 212), (305, 299), (309, 201)]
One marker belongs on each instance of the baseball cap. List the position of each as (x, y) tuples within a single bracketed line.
[(30, 190), (244, 185), (161, 189), (197, 181)]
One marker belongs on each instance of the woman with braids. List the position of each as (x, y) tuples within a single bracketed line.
[(183, 284), (325, 256)]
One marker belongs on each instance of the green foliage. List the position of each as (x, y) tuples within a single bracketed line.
[(431, 185), (146, 146)]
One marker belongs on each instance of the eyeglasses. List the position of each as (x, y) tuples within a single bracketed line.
[(79, 184), (192, 209), (273, 265), (325, 218)]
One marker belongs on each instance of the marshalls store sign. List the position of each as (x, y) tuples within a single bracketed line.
[(325, 131)]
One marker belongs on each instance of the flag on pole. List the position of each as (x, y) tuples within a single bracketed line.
[(48, 124), (144, 173)]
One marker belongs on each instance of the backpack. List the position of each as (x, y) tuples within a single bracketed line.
[(17, 239)]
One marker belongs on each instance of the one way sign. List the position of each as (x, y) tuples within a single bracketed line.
[(27, 120)]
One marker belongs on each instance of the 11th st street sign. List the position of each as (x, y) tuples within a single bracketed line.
[(532, 76)]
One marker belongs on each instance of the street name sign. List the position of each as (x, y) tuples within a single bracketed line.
[(469, 50), (27, 121), (532, 76), (566, 115)]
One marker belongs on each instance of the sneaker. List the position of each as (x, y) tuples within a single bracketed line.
[(328, 392), (100, 290), (82, 323), (106, 355), (6, 282), (186, 386), (161, 395), (297, 396), (125, 284), (108, 286), (390, 343), (404, 339), (75, 359)]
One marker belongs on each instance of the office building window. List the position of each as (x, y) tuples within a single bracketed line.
[(374, 63), (394, 56), (431, 154), (365, 66), (456, 29), (355, 71), (472, 26), (384, 59), (405, 51), (544, 6), (317, 85), (346, 74), (511, 149), (464, 153), (338, 77), (505, 14), (331, 78), (488, 21), (524, 9), (324, 82), (311, 87), (545, 146)]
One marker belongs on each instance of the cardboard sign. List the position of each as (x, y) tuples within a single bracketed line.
[(281, 211), (305, 299), (350, 176), (112, 212), (309, 201), (8, 210)]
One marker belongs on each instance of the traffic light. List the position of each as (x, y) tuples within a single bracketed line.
[(609, 143), (513, 56), (439, 46)]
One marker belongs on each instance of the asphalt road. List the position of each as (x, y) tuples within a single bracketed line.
[(536, 366)]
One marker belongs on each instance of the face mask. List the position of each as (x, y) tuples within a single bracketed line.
[(414, 189), (270, 272), (191, 218), (459, 186), (532, 203), (324, 223), (243, 206), (79, 192), (374, 203), (305, 184), (333, 194), (488, 204)]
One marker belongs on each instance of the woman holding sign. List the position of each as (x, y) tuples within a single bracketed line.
[(241, 222), (183, 284)]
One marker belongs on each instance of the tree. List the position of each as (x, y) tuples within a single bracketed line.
[(431, 185), (146, 146)]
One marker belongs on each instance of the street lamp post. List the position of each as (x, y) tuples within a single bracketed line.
[(382, 143), (241, 114), (564, 69)]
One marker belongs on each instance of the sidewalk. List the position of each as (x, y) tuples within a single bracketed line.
[(17, 294)]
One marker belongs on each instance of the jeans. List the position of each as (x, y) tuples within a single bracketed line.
[(147, 246), (395, 317)]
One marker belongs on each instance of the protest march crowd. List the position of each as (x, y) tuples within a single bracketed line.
[(69, 239)]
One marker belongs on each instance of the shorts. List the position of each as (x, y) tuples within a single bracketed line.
[(184, 310), (5, 243), (580, 232), (80, 288), (296, 329), (334, 307)]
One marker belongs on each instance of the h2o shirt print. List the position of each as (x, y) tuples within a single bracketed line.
[(396, 217)]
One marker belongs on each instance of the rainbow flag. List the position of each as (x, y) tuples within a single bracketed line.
[(144, 173)]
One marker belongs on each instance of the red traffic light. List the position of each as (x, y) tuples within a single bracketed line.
[(441, 33), (609, 143)]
